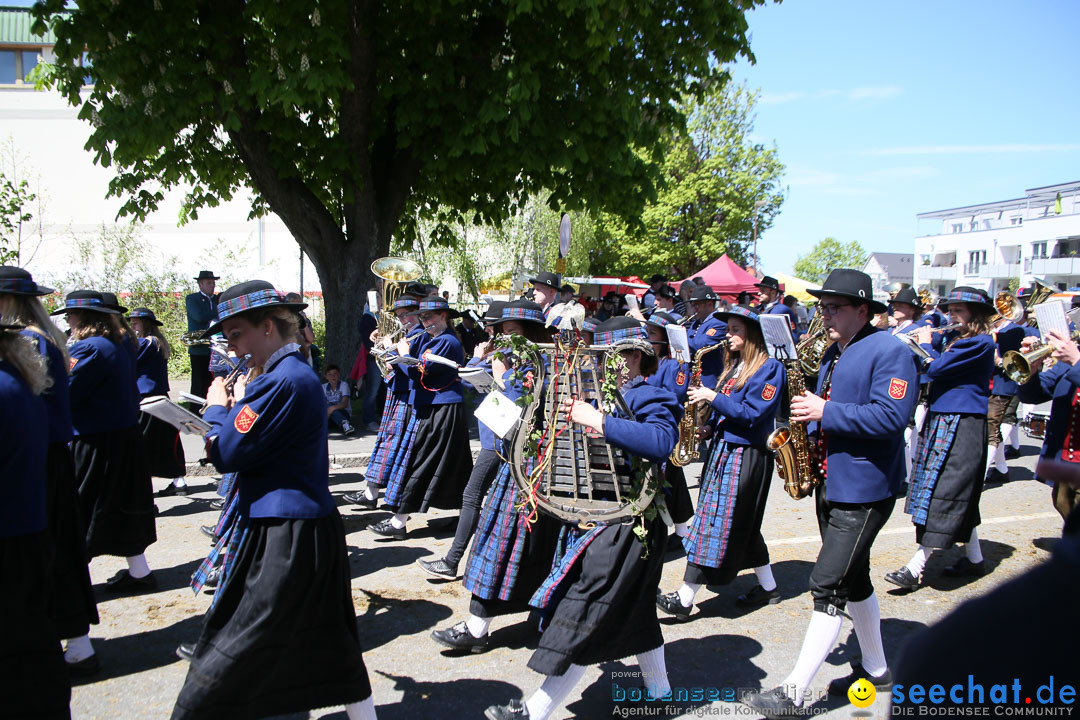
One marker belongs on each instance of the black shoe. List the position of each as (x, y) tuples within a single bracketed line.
[(840, 686), (671, 604), (903, 578), (758, 596), (771, 703), (85, 667), (675, 547), (185, 651), (181, 491), (514, 711), (357, 498), (123, 582), (385, 529), (209, 531), (212, 579), (1011, 454), (217, 504), (964, 567), (439, 568), (458, 637)]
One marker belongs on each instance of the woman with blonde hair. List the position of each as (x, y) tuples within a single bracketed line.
[(725, 536)]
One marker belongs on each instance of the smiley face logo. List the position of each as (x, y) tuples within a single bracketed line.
[(862, 693)]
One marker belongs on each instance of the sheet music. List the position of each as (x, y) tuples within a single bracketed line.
[(432, 357), (778, 338), (373, 302), (632, 302), (478, 377), (165, 409), (1051, 316), (499, 413), (677, 343), (406, 360)]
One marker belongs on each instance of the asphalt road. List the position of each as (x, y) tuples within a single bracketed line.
[(397, 606)]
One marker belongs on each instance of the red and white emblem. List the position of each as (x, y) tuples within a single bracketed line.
[(768, 392), (245, 419), (710, 332), (72, 363), (680, 379), (897, 389)]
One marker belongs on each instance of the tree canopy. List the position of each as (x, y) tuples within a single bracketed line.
[(828, 254), (715, 179), (354, 121)]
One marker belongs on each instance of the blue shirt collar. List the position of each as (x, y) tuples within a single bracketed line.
[(281, 352)]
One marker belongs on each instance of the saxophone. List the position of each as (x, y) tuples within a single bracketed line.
[(791, 445), (812, 346), (694, 416)]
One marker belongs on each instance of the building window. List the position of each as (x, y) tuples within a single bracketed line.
[(957, 228), (1038, 250), (1016, 221), (15, 65), (7, 67)]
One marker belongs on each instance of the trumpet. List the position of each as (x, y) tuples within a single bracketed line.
[(913, 344), (1017, 365)]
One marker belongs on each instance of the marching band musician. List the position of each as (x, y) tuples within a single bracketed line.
[(771, 301), (599, 596), (665, 302), (74, 607), (545, 289), (905, 319), (947, 478), (511, 553), (281, 636), (393, 443), (1060, 385), (201, 307), (648, 298), (725, 536), (437, 467), (34, 681), (706, 329), (115, 492), (161, 441), (865, 397), (673, 376), (1004, 398)]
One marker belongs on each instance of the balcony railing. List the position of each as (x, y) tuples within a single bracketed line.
[(1055, 266), (1003, 270), (936, 272)]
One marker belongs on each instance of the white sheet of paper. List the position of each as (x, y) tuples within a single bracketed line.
[(678, 344), (632, 302), (373, 301), (499, 413), (1051, 316), (402, 360), (165, 409), (478, 377), (188, 397), (432, 357), (778, 338)]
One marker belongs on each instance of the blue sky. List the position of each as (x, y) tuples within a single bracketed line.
[(881, 110)]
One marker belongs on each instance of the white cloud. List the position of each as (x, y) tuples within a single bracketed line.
[(768, 98), (972, 149), (875, 92), (870, 92)]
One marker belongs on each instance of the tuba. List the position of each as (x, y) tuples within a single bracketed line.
[(1008, 307), (395, 273), (791, 445), (694, 415)]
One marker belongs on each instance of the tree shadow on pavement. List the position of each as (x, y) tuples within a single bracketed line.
[(130, 654), (385, 618), (462, 698), (792, 579), (364, 561), (171, 578), (190, 506)]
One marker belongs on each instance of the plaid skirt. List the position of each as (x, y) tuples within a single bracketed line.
[(937, 440), (731, 507), (393, 444)]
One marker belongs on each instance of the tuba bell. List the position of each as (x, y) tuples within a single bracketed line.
[(395, 272), (1008, 307)]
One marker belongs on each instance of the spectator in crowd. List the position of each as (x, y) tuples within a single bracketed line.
[(338, 400), (803, 318), (446, 295), (308, 348), (566, 293), (699, 281), (201, 310)]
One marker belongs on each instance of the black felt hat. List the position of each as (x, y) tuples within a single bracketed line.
[(112, 301), (769, 282), (247, 296), (546, 278), (852, 284), (207, 275), (493, 311), (16, 281), (145, 314), (657, 278), (90, 300), (703, 292), (907, 296)]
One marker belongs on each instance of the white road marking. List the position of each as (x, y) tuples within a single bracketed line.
[(910, 529)]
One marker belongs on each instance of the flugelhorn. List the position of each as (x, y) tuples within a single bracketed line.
[(1017, 365)]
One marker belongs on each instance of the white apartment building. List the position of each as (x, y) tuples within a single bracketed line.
[(985, 246)]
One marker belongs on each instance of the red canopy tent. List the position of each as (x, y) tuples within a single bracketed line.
[(725, 278)]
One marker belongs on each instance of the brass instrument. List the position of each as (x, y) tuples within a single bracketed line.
[(1041, 294), (395, 273), (694, 414), (927, 299), (1017, 365), (791, 445), (912, 343), (1008, 307), (812, 346)]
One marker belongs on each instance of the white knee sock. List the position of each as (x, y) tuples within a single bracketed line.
[(920, 417), (991, 452), (1014, 436), (137, 566), (478, 626), (552, 693), (371, 492), (918, 560), (973, 548), (654, 672), (398, 521), (687, 593), (999, 459), (363, 710), (867, 618), (78, 649), (765, 578), (179, 482), (680, 529), (820, 638)]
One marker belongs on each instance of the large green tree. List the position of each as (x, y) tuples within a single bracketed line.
[(716, 179), (828, 254), (352, 119)]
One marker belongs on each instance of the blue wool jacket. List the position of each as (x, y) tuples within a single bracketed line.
[(960, 375), (672, 376), (1008, 338), (275, 441), (151, 368), (1057, 386), (701, 333), (399, 382), (746, 416), (434, 383), (24, 440), (57, 402), (102, 386), (873, 395), (654, 430)]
